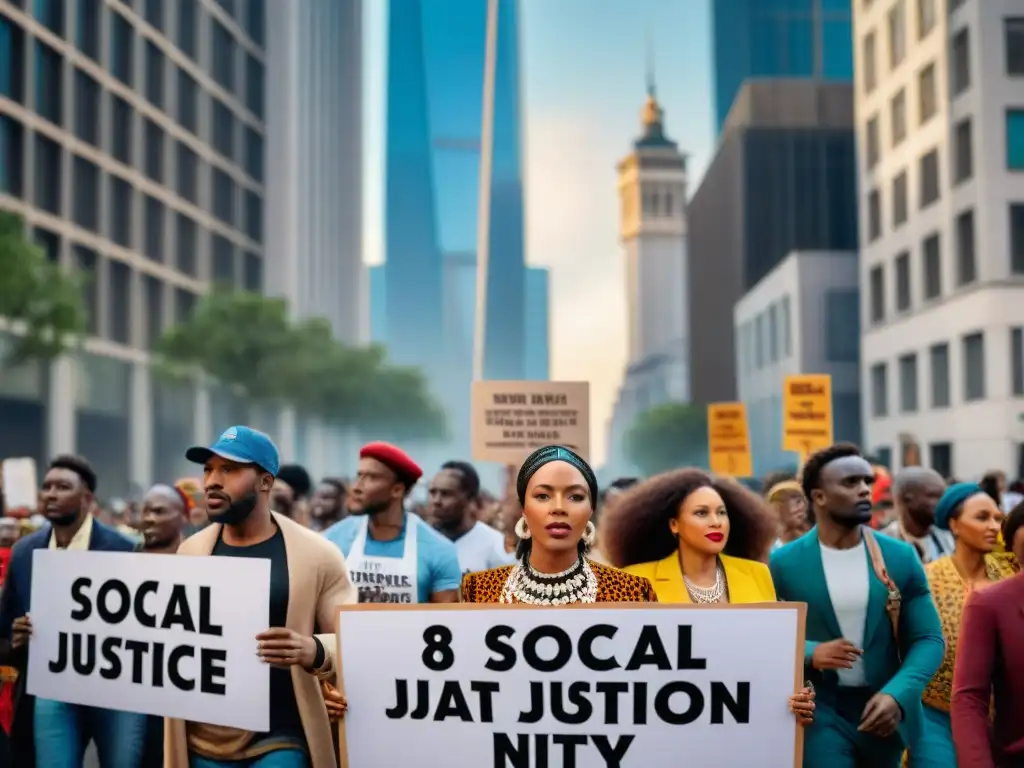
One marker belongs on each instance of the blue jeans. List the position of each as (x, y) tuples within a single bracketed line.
[(63, 731), (279, 758)]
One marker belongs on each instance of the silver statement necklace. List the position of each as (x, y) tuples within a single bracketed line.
[(528, 585), (708, 595)]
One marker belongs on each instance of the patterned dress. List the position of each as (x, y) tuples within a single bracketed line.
[(613, 585)]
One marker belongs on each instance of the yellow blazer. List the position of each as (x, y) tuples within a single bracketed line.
[(748, 580)]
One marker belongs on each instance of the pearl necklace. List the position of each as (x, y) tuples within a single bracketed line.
[(527, 585), (708, 595)]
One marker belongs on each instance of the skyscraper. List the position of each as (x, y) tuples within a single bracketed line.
[(434, 109), (778, 38)]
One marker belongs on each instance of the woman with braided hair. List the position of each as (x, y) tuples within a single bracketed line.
[(558, 493)]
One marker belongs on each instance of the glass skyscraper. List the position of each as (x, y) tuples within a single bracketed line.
[(778, 38)]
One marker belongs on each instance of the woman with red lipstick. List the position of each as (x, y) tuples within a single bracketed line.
[(558, 493), (698, 539)]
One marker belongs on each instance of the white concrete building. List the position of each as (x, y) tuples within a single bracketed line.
[(652, 191), (799, 318), (940, 121)]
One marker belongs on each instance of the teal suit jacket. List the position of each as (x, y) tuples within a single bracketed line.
[(799, 577)]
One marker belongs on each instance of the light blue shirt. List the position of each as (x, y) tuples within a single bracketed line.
[(437, 560)]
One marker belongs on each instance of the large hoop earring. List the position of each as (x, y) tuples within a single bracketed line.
[(522, 531), (589, 534)]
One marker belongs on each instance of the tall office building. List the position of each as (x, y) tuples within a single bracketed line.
[(778, 38), (537, 366), (434, 111), (131, 141), (941, 135)]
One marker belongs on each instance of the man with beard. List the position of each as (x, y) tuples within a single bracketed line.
[(394, 556), (453, 497), (915, 494), (308, 580), (328, 506), (48, 732), (873, 637)]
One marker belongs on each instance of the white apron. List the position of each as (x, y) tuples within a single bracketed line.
[(385, 579)]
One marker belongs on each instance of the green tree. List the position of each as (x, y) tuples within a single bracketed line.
[(667, 437), (248, 343), (43, 304)]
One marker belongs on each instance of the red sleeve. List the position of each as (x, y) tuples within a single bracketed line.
[(972, 685)]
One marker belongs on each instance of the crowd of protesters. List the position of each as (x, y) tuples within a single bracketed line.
[(912, 583)]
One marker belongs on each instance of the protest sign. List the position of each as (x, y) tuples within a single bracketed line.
[(156, 634), (729, 440), (20, 486), (807, 413), (513, 418), (601, 686)]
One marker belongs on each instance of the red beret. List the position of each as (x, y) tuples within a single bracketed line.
[(395, 458)]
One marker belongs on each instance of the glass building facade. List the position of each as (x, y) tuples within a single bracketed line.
[(778, 38)]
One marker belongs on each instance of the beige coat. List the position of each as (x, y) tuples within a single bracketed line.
[(318, 582)]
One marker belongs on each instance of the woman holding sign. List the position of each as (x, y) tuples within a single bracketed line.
[(558, 492), (698, 539)]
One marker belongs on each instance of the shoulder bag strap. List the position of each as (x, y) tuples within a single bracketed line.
[(894, 601)]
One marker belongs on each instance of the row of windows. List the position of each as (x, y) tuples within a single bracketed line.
[(230, 136), (940, 457), (186, 17), (216, 191), (896, 28), (110, 298)]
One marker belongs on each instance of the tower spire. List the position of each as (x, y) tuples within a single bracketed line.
[(651, 92)]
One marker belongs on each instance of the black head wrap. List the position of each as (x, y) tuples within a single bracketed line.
[(546, 455)]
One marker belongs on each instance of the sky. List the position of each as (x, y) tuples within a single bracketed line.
[(584, 74)]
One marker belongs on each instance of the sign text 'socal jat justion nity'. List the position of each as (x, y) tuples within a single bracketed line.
[(570, 687)]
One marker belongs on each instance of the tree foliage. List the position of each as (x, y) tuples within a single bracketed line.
[(667, 437), (248, 343), (43, 304)]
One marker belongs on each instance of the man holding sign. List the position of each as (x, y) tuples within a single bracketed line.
[(308, 580)]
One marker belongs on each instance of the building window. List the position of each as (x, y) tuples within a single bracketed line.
[(120, 211), (223, 129), (884, 455), (842, 326), (256, 21), (223, 197), (154, 293), (897, 34), (932, 258), (870, 63), (155, 14), (12, 154), (184, 303), (940, 458), (154, 75), (87, 96), (50, 13), (877, 294), (12, 61), (253, 212), (938, 355), (49, 84), (974, 367), (254, 154), (50, 242), (121, 131), (759, 349), (90, 20), (1013, 40), (120, 303), (966, 264), (86, 264), (925, 18), (223, 273), (85, 208), (154, 151), (188, 244), (1017, 238), (188, 173), (1017, 361), (49, 175), (879, 390), (929, 178), (188, 12), (871, 141), (899, 199), (963, 164), (222, 56), (960, 63), (188, 102), (122, 48), (927, 98), (908, 383), (155, 229), (898, 117), (254, 86), (1015, 139), (787, 338), (874, 215), (903, 282), (252, 273)]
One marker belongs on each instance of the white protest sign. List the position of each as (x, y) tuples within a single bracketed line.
[(166, 635), (596, 686), (19, 484)]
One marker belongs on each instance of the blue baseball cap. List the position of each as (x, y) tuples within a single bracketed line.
[(242, 444)]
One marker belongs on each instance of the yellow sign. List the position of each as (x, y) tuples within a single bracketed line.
[(729, 440), (807, 413)]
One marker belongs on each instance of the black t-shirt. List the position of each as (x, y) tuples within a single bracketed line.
[(285, 722)]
